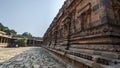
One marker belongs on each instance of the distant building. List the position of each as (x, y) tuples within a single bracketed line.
[(86, 33), (4, 39), (34, 41), (12, 42), (31, 41)]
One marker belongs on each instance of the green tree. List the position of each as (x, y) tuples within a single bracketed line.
[(1, 27), (26, 34), (7, 30), (19, 35), (10, 32), (13, 32), (21, 41)]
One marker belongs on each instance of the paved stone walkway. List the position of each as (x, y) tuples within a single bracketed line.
[(7, 53), (33, 58)]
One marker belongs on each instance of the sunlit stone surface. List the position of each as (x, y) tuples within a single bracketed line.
[(33, 58)]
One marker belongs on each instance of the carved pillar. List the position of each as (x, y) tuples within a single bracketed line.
[(4, 40), (8, 40), (55, 35), (68, 33), (0, 40), (33, 42), (30, 42), (65, 30)]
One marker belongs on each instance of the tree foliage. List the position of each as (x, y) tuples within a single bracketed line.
[(21, 41), (1, 27), (7, 30), (19, 36), (13, 32), (26, 34)]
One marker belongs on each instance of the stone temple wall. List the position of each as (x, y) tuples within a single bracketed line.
[(87, 30)]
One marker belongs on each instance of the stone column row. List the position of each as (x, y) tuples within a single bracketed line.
[(4, 40), (31, 42)]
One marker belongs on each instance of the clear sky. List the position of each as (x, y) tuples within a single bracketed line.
[(32, 16)]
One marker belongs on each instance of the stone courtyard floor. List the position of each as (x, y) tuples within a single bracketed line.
[(30, 57), (7, 53)]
